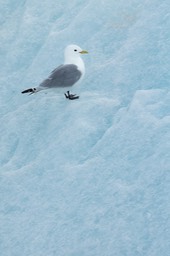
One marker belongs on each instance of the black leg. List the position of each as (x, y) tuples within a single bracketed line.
[(71, 96)]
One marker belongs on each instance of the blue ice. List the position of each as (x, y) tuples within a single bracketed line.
[(87, 177)]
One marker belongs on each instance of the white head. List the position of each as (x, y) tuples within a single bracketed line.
[(73, 53)]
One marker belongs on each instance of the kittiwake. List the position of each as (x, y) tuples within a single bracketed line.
[(65, 75)]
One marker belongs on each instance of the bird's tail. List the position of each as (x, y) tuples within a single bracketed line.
[(30, 90)]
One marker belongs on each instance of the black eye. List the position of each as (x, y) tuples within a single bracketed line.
[(75, 50)]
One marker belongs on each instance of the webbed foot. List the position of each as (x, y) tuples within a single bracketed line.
[(71, 96)]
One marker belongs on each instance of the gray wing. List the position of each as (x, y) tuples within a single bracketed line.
[(63, 76)]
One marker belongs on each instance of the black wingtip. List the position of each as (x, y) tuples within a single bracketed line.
[(30, 90)]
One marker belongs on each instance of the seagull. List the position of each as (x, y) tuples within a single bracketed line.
[(65, 75)]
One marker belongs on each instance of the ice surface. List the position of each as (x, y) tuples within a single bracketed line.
[(87, 177)]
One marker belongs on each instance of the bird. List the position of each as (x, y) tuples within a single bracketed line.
[(65, 75)]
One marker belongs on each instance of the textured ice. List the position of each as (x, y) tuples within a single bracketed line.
[(87, 177)]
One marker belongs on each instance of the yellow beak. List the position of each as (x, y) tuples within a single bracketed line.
[(83, 52)]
